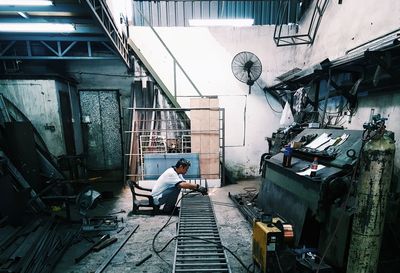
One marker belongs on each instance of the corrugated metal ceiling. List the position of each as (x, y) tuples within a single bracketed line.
[(177, 13)]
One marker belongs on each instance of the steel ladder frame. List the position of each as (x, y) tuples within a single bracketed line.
[(197, 218)]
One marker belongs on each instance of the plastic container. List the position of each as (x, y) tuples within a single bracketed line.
[(287, 157), (314, 167)]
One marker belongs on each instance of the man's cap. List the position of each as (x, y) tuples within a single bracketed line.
[(182, 162)]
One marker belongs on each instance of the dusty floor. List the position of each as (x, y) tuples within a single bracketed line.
[(235, 234)]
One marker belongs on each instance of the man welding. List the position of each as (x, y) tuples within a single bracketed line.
[(169, 184)]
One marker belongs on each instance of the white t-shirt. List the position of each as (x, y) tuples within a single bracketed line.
[(167, 180)]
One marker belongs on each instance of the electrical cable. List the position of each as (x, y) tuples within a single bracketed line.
[(105, 74), (157, 252), (279, 262), (266, 97), (164, 226), (208, 241), (249, 267), (278, 112)]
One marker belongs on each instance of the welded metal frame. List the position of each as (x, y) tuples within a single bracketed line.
[(298, 39), (128, 134), (45, 48), (197, 219)]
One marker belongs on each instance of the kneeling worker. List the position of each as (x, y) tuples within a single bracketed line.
[(169, 184)]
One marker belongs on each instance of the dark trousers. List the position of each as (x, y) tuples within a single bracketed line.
[(169, 198)]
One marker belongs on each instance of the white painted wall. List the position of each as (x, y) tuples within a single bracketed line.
[(206, 54), (207, 59), (347, 25), (118, 8)]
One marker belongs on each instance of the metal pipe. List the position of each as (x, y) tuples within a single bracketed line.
[(108, 260), (326, 99), (373, 40)]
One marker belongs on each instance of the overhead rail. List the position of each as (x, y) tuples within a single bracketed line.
[(293, 38)]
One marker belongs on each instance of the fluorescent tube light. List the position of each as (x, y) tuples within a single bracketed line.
[(36, 27), (221, 22), (23, 14), (26, 3)]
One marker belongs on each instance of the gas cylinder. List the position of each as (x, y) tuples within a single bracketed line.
[(376, 167)]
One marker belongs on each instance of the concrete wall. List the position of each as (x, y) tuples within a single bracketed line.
[(102, 75), (39, 101), (345, 26), (206, 54)]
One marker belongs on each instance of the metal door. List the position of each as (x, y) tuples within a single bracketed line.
[(102, 129), (66, 118)]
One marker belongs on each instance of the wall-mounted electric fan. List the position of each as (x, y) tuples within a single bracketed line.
[(246, 67)]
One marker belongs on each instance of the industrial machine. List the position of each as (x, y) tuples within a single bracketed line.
[(271, 240), (335, 210), (314, 205), (333, 187)]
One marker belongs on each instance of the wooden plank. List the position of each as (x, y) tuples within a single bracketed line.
[(205, 135)]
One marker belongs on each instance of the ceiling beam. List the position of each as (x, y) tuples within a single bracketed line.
[(79, 29), (53, 37), (44, 19), (54, 8), (56, 50)]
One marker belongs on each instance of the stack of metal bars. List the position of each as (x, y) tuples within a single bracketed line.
[(197, 219)]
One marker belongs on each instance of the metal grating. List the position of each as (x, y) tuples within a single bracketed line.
[(197, 219)]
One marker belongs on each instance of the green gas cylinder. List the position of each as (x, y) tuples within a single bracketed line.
[(376, 167)]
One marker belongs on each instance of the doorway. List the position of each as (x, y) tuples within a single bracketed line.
[(101, 128)]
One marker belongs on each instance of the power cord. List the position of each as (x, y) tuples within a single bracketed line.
[(157, 252), (164, 226)]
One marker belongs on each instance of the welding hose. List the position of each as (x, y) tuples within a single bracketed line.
[(208, 241), (164, 226)]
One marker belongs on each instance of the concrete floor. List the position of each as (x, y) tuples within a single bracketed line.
[(235, 234)]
